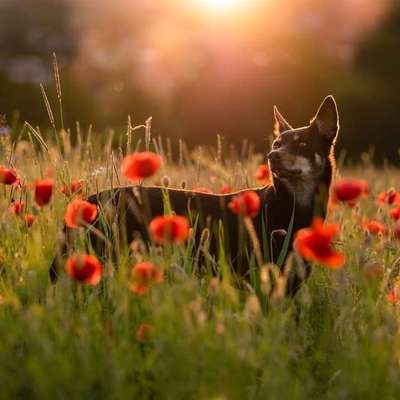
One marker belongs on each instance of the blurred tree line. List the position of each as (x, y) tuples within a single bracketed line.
[(198, 77), (29, 33), (371, 101)]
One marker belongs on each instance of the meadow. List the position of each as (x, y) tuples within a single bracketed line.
[(187, 337)]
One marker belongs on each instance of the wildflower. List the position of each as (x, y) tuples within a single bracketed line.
[(392, 297), (213, 286), (8, 176), (17, 207), (29, 220), (314, 244), (143, 332), (144, 275), (75, 187), (252, 307), (394, 213), (350, 190), (43, 191), (173, 228), (246, 204), (374, 227), (263, 174), (79, 212), (142, 165), (84, 268), (225, 188), (166, 181), (388, 197), (4, 130)]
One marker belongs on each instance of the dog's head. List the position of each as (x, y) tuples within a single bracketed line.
[(301, 155)]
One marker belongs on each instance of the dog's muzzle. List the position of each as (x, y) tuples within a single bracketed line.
[(276, 158)]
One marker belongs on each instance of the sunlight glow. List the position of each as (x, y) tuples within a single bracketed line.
[(221, 4)]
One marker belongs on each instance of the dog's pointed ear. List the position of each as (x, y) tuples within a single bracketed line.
[(281, 124), (327, 118)]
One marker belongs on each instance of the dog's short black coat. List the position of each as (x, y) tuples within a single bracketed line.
[(302, 164)]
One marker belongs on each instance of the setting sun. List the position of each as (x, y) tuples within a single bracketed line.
[(221, 4)]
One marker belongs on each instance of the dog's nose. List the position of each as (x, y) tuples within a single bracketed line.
[(273, 155)]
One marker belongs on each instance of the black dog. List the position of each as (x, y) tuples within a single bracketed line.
[(302, 164)]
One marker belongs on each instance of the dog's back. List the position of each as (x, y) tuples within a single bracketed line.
[(131, 209)]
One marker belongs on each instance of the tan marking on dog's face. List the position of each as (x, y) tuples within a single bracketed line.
[(302, 182), (297, 163)]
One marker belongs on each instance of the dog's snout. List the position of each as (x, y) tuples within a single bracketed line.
[(273, 155)]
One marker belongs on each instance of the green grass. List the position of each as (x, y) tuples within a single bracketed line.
[(338, 338)]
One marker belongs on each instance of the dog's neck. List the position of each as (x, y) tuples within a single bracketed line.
[(301, 190), (312, 194)]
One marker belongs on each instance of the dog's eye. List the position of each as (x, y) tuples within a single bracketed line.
[(302, 144)]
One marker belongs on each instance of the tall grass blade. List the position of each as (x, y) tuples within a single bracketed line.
[(285, 247), (58, 88), (147, 133), (37, 136)]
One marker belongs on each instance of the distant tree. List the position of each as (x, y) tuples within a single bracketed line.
[(372, 95), (36, 28), (29, 33)]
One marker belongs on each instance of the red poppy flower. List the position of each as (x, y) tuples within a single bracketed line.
[(79, 212), (225, 188), (374, 227), (43, 191), (173, 228), (394, 213), (314, 244), (84, 268), (389, 197), (350, 190), (75, 187), (17, 207), (8, 176), (246, 204), (392, 297), (143, 332), (201, 189), (142, 165), (29, 220), (263, 174), (144, 275)]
